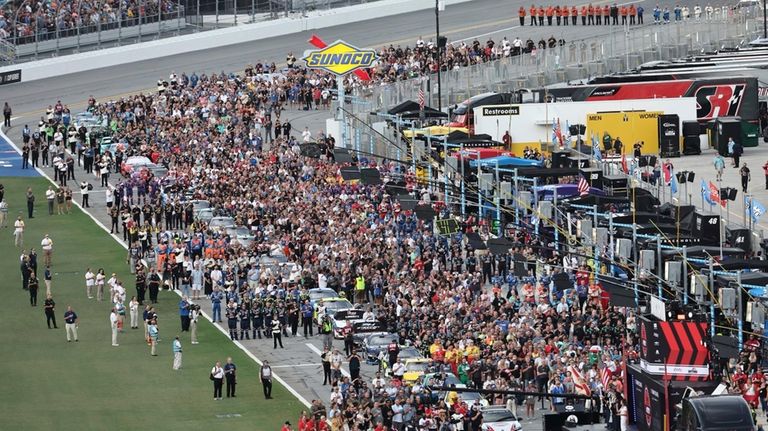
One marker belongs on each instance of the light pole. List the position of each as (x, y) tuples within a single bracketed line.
[(439, 5)]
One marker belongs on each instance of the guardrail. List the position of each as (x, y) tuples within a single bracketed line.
[(619, 50)]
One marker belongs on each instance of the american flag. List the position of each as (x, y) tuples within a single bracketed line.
[(421, 98), (583, 186), (605, 377)]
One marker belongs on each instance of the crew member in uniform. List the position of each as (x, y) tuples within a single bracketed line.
[(245, 322), (50, 308), (257, 317), (232, 314)]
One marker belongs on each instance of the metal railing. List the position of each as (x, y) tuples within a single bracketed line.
[(70, 28), (618, 50)]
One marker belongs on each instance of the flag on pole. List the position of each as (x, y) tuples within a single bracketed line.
[(673, 185), (705, 193), (605, 377), (580, 385), (624, 166), (559, 133), (714, 194), (756, 209), (667, 172), (596, 148), (583, 186)]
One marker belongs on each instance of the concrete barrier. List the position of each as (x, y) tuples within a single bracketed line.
[(75, 63)]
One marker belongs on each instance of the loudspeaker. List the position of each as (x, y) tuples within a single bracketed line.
[(647, 161), (669, 135), (486, 181), (623, 247), (691, 145), (728, 193), (545, 209), (685, 176), (698, 282), (442, 41), (585, 230), (691, 128), (505, 190), (525, 199), (594, 176), (573, 129), (560, 159), (647, 259), (601, 236), (674, 272), (727, 297)]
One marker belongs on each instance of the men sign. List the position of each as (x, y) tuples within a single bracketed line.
[(339, 58)]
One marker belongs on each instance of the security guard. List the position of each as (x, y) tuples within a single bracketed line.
[(327, 330), (359, 289), (232, 315)]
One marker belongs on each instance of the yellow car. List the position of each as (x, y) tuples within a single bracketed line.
[(415, 368)]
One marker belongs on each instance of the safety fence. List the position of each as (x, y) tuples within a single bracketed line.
[(614, 50), (36, 31)]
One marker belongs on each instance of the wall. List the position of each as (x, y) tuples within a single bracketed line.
[(216, 38)]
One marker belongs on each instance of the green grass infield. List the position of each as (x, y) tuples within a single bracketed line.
[(51, 384)]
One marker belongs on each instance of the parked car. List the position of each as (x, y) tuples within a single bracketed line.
[(470, 398), (343, 320), (332, 305), (240, 234), (321, 293), (221, 223), (499, 418), (375, 343), (204, 215), (440, 380), (415, 368)]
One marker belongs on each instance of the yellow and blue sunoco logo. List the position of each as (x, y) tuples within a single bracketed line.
[(339, 58)]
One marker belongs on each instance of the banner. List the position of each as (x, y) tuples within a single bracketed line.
[(756, 209), (714, 194), (706, 194)]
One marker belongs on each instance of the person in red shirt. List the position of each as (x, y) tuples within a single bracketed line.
[(533, 14), (521, 14), (595, 18), (632, 14), (286, 427), (558, 14), (606, 15), (541, 14), (566, 12), (574, 15), (623, 11)]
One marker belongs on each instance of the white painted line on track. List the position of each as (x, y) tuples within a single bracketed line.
[(120, 241)]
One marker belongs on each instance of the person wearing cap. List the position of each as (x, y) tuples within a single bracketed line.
[(71, 322), (176, 346), (266, 379)]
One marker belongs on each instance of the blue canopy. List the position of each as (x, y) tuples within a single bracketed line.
[(507, 162)]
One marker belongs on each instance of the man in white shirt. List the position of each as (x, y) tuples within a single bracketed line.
[(50, 196), (18, 232), (266, 379), (336, 360), (397, 414), (47, 245), (306, 135), (113, 325), (398, 369), (217, 374), (3, 213), (89, 283)]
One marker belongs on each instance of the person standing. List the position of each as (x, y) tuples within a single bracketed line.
[(70, 324), (325, 357), (50, 309), (193, 315), (354, 366), (18, 232), (230, 374), (3, 213), (33, 285), (84, 189), (176, 354), (277, 337), (47, 245), (217, 376), (719, 164), (30, 203), (184, 313), (7, 115), (50, 196), (746, 177), (216, 298), (623, 416), (133, 308), (765, 171), (113, 325), (153, 336), (47, 276), (266, 379), (154, 285)]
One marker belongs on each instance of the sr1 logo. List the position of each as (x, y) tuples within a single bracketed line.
[(719, 100)]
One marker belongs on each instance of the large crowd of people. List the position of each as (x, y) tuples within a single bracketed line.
[(467, 309), (27, 21)]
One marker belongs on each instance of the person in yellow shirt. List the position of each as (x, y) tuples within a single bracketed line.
[(471, 351), (452, 358)]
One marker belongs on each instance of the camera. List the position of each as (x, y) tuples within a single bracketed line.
[(194, 307)]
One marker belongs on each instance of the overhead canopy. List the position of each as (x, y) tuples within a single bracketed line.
[(410, 106), (534, 172), (506, 162), (563, 191), (499, 245)]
